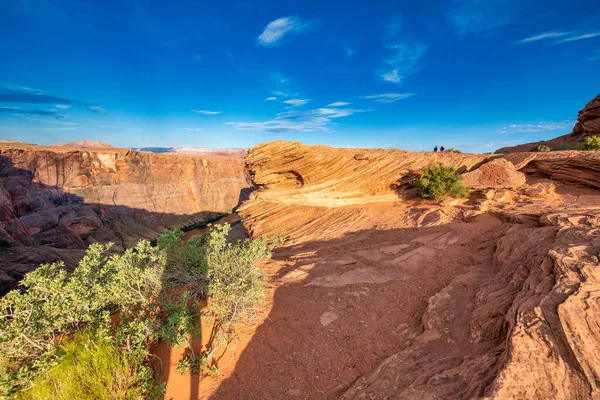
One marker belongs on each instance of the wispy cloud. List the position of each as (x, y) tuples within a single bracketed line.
[(271, 99), (405, 53), (582, 36), (206, 112), (595, 56), (338, 104), (389, 97), (42, 113), (68, 128), (98, 109), (276, 30), (539, 127), (27, 96), (193, 129), (296, 102), (134, 130), (559, 37), (297, 121), (480, 17), (196, 56)]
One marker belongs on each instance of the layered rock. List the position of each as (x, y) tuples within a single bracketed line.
[(55, 199), (587, 125)]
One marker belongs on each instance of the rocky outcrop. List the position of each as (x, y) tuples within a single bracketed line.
[(588, 124), (324, 176), (57, 199), (494, 297)]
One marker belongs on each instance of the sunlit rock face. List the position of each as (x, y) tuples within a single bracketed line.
[(57, 199)]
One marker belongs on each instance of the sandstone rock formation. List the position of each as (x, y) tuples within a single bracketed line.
[(376, 297), (54, 202), (588, 124)]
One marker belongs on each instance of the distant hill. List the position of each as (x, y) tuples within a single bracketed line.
[(85, 144)]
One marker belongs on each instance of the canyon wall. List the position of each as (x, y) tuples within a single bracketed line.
[(54, 202)]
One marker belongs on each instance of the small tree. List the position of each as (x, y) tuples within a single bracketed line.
[(541, 148), (439, 181), (591, 143)]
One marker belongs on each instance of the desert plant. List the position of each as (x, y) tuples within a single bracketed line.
[(191, 363), (591, 143), (452, 150), (541, 148), (90, 367), (439, 181)]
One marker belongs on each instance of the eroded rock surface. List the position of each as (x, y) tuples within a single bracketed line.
[(492, 297), (55, 202)]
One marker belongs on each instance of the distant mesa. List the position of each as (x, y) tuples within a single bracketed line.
[(10, 141), (588, 124), (85, 144)]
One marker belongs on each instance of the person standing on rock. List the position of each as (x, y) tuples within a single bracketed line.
[(442, 149), (435, 149)]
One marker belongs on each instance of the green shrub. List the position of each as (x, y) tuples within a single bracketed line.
[(191, 363), (439, 181), (591, 143), (146, 294), (452, 150), (90, 367), (541, 148)]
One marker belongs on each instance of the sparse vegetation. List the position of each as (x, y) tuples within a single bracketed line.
[(113, 308), (591, 143), (566, 146), (541, 148), (440, 181), (452, 150)]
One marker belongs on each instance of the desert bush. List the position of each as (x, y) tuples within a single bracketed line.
[(452, 150), (591, 143), (541, 148), (90, 367), (439, 181), (146, 294)]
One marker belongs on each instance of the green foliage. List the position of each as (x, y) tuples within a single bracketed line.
[(55, 303), (214, 371), (452, 150), (128, 300), (541, 148), (90, 367), (192, 363), (591, 143), (439, 181), (181, 322)]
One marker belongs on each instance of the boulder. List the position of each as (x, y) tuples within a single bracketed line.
[(496, 174)]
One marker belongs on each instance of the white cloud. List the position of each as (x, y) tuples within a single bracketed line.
[(135, 130), (62, 106), (278, 29), (405, 54), (478, 17), (539, 127), (98, 109), (297, 121), (296, 102), (392, 76), (338, 104), (578, 37), (206, 112), (271, 99), (567, 36), (389, 97), (193, 129)]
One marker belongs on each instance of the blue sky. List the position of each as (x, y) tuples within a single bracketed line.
[(472, 74)]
